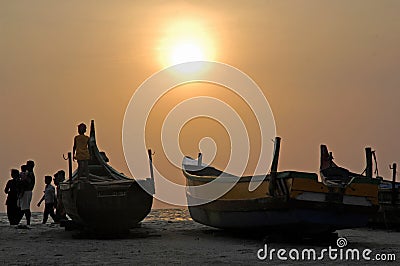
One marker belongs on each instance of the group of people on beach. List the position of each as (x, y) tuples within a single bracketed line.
[(19, 195), (19, 188)]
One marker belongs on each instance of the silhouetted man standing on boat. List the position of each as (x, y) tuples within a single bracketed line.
[(81, 151)]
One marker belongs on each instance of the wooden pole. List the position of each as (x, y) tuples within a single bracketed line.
[(394, 190), (275, 160), (151, 164), (152, 188), (274, 167), (368, 157), (70, 165), (200, 159)]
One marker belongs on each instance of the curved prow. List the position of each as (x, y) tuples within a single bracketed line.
[(93, 149), (326, 158), (99, 160), (92, 131), (330, 171), (95, 154)]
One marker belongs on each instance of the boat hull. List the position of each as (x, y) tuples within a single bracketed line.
[(293, 215), (115, 206), (388, 215), (300, 202), (105, 200)]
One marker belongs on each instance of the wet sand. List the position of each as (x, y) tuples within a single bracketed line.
[(167, 237)]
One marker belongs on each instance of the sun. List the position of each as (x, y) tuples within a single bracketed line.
[(186, 51), (184, 41)]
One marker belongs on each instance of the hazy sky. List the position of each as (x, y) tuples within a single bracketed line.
[(329, 70)]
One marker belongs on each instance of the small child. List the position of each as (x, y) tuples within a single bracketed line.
[(49, 200), (81, 151), (60, 211)]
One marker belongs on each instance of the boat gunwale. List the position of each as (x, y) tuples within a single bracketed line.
[(288, 174)]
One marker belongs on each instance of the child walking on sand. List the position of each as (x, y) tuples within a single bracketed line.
[(81, 151), (49, 200)]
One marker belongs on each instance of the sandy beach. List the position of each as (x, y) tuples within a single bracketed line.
[(165, 237)]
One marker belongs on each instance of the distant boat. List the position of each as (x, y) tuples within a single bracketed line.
[(288, 201), (106, 200)]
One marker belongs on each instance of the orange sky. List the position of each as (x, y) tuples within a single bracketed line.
[(328, 69)]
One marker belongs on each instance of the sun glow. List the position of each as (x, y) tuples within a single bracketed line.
[(186, 51), (186, 41)]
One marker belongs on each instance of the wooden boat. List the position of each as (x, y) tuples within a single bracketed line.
[(388, 215), (106, 200), (289, 201)]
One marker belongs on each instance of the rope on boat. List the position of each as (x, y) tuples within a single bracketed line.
[(349, 183), (376, 164), (363, 172)]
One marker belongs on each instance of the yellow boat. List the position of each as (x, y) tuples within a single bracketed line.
[(288, 200)]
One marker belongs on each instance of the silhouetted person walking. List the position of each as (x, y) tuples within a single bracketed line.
[(49, 198)]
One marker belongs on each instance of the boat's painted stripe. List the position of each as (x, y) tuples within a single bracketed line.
[(353, 200), (312, 196), (321, 197)]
